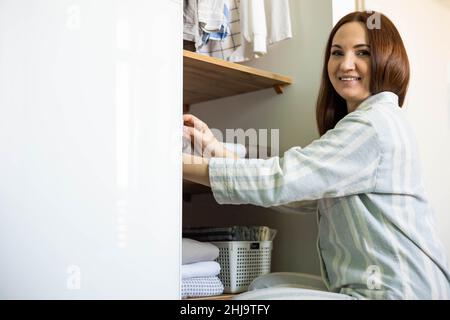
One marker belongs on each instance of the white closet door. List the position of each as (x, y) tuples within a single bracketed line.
[(90, 164)]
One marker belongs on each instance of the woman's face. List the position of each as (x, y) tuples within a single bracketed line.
[(349, 66)]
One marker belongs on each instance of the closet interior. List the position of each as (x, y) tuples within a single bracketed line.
[(216, 42)]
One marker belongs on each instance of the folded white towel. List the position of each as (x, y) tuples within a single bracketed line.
[(201, 287), (237, 148), (196, 251), (200, 269)]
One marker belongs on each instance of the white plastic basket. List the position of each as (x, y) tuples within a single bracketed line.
[(241, 262)]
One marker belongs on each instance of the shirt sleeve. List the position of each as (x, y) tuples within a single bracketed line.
[(254, 25), (342, 162), (278, 20)]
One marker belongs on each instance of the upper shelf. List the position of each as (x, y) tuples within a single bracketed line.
[(206, 78)]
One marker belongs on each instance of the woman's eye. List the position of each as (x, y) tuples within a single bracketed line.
[(359, 53), (336, 53), (364, 53)]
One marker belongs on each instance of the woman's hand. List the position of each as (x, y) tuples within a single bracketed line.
[(204, 141)]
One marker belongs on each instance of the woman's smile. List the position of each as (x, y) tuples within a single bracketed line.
[(350, 81)]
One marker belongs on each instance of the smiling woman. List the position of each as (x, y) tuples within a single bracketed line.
[(375, 56), (377, 238)]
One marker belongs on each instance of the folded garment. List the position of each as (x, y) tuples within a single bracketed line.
[(284, 293), (234, 233), (201, 287), (196, 251), (200, 269), (237, 148), (289, 280)]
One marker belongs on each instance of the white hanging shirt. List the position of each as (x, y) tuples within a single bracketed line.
[(262, 22), (210, 14)]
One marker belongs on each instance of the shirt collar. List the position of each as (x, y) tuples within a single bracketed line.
[(382, 97)]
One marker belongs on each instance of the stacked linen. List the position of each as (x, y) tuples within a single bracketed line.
[(233, 233), (199, 272), (189, 147)]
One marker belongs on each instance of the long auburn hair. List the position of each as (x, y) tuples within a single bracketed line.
[(390, 69)]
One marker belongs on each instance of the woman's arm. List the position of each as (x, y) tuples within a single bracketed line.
[(196, 169), (342, 162)]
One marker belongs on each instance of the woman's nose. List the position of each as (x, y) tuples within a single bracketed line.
[(348, 63)]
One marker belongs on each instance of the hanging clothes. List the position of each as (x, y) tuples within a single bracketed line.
[(224, 49), (191, 28), (253, 26), (263, 23), (211, 15), (278, 20), (253, 31), (223, 31), (202, 18)]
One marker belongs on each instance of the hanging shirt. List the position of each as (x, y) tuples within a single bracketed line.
[(190, 20), (377, 237), (278, 20), (224, 49), (202, 17), (262, 22), (224, 28), (211, 15)]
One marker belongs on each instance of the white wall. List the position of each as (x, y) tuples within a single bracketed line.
[(90, 199), (343, 7), (293, 113), (424, 27)]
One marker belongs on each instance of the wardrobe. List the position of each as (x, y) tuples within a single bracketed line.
[(90, 187)]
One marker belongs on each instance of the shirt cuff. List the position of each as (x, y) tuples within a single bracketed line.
[(259, 44), (219, 179)]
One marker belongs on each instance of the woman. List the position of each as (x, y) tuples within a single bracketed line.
[(376, 233)]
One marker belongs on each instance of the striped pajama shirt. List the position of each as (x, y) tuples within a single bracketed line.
[(377, 238)]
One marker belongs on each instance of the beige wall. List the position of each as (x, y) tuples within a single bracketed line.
[(293, 114)]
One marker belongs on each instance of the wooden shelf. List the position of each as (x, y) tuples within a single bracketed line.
[(207, 78), (225, 296), (190, 188)]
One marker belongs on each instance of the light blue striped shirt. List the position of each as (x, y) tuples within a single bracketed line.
[(377, 238)]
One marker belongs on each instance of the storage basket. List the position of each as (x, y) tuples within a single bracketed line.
[(241, 262)]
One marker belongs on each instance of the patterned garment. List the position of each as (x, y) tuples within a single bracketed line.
[(225, 48), (201, 287), (377, 238), (200, 269), (224, 28)]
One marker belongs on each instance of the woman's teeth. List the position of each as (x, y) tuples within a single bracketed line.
[(349, 78)]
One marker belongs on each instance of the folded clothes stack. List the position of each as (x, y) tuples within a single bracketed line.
[(199, 271), (237, 148), (233, 233)]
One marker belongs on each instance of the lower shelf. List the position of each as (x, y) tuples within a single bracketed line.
[(190, 188), (225, 296)]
